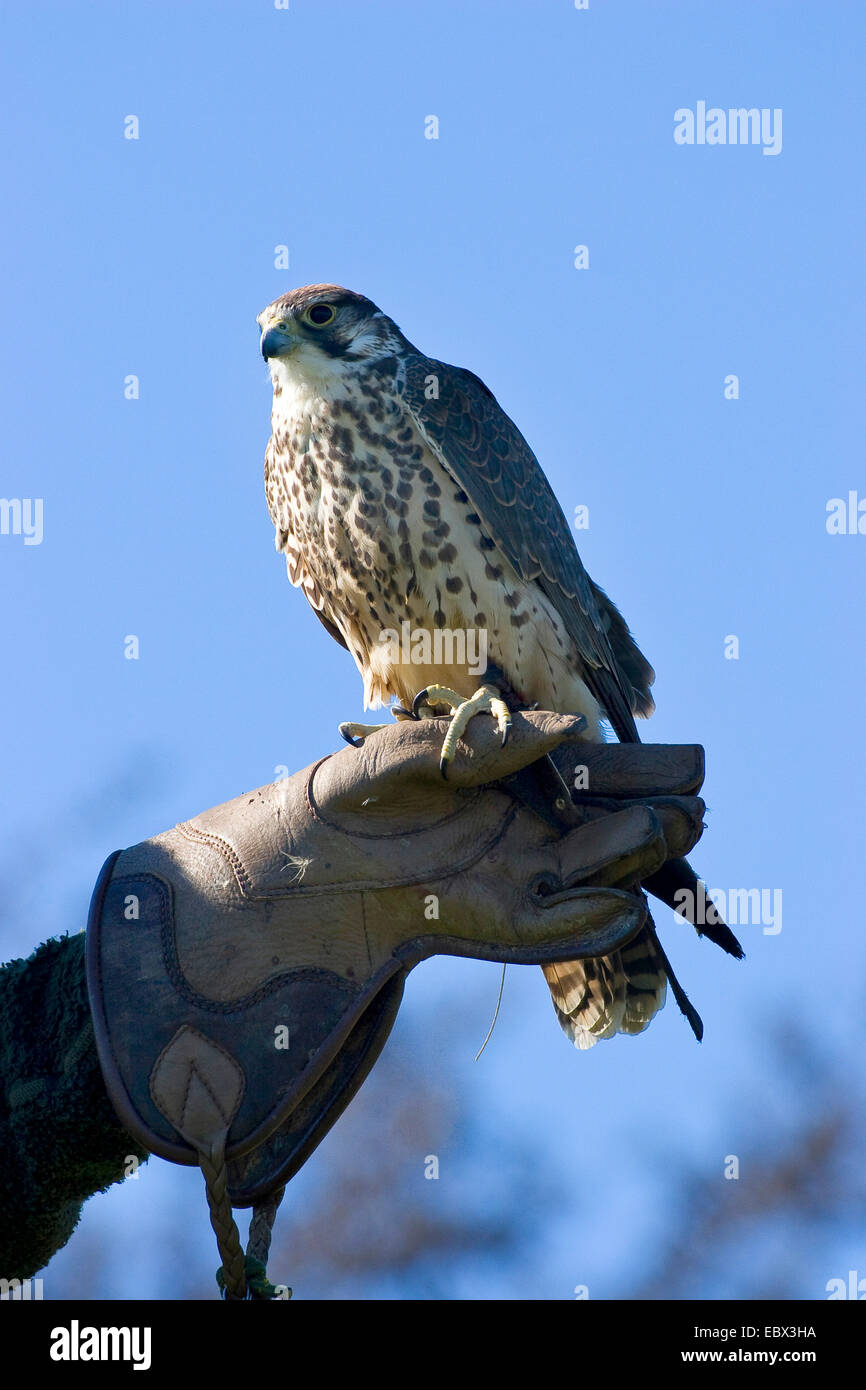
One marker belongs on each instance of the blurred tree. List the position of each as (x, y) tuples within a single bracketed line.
[(800, 1183)]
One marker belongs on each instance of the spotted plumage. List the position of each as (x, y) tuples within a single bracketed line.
[(401, 492)]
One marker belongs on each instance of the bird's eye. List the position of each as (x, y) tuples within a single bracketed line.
[(320, 314)]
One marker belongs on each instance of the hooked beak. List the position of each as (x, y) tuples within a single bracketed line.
[(276, 342)]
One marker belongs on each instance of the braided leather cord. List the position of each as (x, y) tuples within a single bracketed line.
[(233, 1271), (239, 1277), (262, 1225)]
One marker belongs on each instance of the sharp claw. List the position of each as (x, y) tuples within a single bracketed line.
[(504, 738), (397, 710), (418, 701), (443, 768), (355, 742)]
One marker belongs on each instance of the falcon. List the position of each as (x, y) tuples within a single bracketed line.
[(408, 504)]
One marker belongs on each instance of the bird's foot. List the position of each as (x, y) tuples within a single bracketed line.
[(356, 733), (486, 700)]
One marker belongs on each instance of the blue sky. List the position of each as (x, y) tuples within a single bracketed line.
[(152, 257)]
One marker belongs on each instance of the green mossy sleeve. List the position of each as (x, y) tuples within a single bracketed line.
[(60, 1139)]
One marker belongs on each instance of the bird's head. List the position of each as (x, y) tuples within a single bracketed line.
[(323, 331)]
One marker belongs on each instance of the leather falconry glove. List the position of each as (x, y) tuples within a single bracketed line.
[(245, 968)]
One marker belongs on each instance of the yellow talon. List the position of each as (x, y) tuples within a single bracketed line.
[(486, 700), (356, 733)]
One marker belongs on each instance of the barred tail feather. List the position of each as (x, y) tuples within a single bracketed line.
[(619, 993)]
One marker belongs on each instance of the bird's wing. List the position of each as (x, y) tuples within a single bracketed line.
[(484, 451)]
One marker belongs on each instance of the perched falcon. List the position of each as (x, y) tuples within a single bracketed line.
[(407, 502)]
